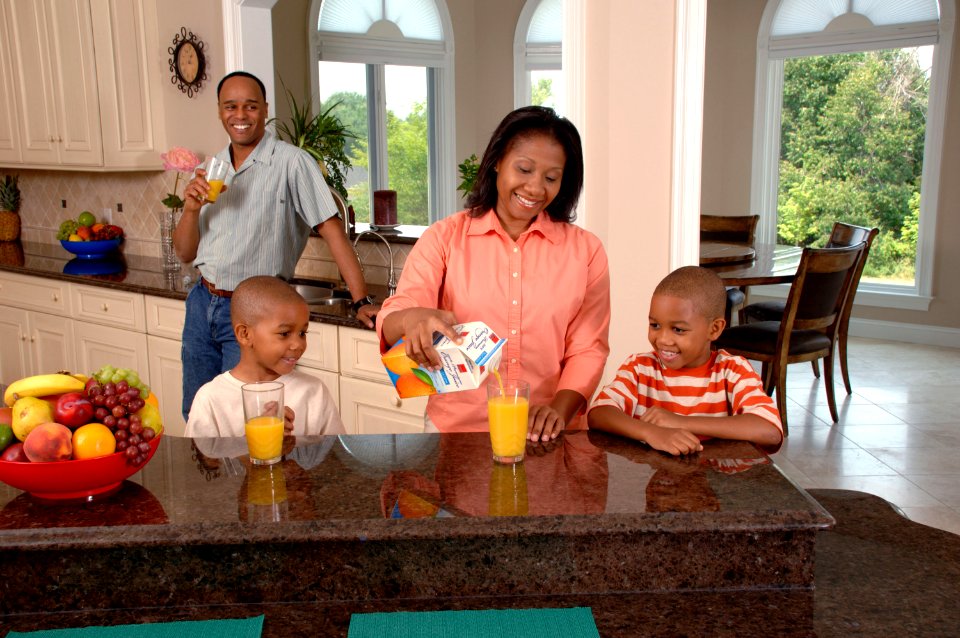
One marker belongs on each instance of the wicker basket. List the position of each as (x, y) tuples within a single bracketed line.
[(9, 226)]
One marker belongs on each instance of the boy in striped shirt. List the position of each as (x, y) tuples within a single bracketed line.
[(683, 392)]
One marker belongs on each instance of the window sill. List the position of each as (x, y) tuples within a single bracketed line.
[(899, 301)]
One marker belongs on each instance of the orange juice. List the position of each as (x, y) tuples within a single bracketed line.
[(264, 439), (508, 427), (266, 485), (215, 186), (508, 490)]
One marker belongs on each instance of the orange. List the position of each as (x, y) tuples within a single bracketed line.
[(152, 400), (93, 440), (396, 360), (408, 385)]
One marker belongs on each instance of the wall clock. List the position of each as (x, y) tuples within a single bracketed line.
[(187, 62)]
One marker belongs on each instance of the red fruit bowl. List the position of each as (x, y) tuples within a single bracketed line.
[(83, 479)]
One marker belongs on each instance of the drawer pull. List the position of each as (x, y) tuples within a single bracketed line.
[(104, 307), (397, 401), (56, 297)]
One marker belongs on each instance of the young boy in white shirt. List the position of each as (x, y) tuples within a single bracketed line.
[(270, 320)]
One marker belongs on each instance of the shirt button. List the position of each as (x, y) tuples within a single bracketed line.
[(513, 360), (514, 302), (513, 332), (515, 249), (516, 274)]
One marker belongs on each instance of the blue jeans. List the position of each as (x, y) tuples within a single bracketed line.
[(209, 346)]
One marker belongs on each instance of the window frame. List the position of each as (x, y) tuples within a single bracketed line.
[(377, 53), (531, 57), (771, 52)]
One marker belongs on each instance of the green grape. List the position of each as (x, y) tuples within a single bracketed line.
[(116, 377), (144, 391), (133, 379), (107, 371)]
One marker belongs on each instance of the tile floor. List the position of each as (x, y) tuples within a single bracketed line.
[(898, 435)]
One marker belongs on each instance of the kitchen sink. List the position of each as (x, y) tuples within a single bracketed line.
[(315, 292)]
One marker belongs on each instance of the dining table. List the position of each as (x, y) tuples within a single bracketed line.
[(762, 264)]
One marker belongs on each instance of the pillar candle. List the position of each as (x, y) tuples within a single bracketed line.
[(384, 208)]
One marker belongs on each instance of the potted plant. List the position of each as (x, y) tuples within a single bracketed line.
[(323, 135), (468, 174), (9, 207)]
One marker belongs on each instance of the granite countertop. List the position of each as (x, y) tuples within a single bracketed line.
[(329, 546), (141, 274)]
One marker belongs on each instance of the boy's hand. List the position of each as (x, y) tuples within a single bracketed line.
[(664, 418), (288, 416), (673, 441)]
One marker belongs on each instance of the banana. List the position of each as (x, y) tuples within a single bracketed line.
[(41, 385)]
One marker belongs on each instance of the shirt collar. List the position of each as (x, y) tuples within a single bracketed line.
[(262, 152), (543, 225)]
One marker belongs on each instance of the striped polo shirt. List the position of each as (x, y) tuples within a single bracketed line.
[(726, 385), (260, 224)]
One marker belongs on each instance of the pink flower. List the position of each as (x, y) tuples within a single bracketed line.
[(179, 159)]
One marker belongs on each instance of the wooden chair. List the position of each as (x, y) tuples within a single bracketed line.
[(842, 235), (809, 327), (731, 229)]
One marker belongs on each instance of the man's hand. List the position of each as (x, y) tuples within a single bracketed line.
[(367, 314)]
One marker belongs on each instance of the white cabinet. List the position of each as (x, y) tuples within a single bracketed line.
[(320, 358), (55, 80), (87, 92), (34, 343), (369, 403), (108, 307), (166, 381), (9, 123), (98, 346)]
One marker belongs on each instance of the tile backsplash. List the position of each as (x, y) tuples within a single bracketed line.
[(139, 193)]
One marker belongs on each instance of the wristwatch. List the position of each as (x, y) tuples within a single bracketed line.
[(361, 302)]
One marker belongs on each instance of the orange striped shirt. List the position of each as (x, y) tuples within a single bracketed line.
[(726, 385)]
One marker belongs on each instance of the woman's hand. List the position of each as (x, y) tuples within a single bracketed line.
[(419, 324), (545, 423)]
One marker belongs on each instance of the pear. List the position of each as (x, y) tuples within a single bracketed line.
[(28, 413)]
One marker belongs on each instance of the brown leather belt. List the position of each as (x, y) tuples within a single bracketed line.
[(226, 294)]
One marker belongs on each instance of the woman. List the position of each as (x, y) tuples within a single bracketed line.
[(515, 261)]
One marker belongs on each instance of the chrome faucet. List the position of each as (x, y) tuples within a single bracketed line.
[(392, 277)]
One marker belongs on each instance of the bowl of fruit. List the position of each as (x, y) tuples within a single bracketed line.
[(71, 437), (87, 238)]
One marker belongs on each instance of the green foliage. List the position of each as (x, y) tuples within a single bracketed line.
[(10, 193), (852, 138), (468, 169), (407, 158), (541, 94), (322, 135)]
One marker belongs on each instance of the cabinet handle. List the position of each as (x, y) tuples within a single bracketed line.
[(397, 401), (104, 307), (23, 337), (56, 297), (33, 339)]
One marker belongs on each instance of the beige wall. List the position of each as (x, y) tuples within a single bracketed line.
[(628, 148), (727, 138)]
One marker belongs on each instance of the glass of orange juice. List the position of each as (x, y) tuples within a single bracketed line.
[(263, 415), (216, 172), (508, 404)]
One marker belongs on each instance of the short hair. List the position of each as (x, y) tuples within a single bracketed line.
[(701, 286), (256, 297), (243, 74), (526, 122)]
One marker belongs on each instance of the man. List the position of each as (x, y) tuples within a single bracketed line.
[(274, 194)]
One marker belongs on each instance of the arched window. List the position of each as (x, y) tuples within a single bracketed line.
[(385, 67), (840, 83), (537, 73)]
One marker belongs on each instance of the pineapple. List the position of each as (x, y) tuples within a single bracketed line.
[(9, 205)]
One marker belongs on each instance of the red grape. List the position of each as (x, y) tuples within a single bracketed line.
[(123, 423), (134, 439), (137, 404), (134, 393), (132, 451), (100, 414), (109, 389), (144, 447), (136, 428), (110, 421), (122, 387), (147, 434), (134, 418), (119, 411), (95, 390), (120, 435), (111, 401), (122, 445), (99, 400)]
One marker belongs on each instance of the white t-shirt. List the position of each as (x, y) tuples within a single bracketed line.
[(218, 407)]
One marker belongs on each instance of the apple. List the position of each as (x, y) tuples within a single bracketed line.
[(73, 409), (14, 454), (6, 416)]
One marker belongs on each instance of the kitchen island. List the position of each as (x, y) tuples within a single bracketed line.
[(716, 544)]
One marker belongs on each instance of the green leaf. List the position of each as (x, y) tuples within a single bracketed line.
[(423, 376)]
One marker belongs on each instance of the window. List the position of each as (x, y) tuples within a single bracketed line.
[(538, 75), (836, 80), (386, 68)]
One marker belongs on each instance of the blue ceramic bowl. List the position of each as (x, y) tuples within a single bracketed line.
[(91, 249)]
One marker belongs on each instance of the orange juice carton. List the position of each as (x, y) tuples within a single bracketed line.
[(465, 366)]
